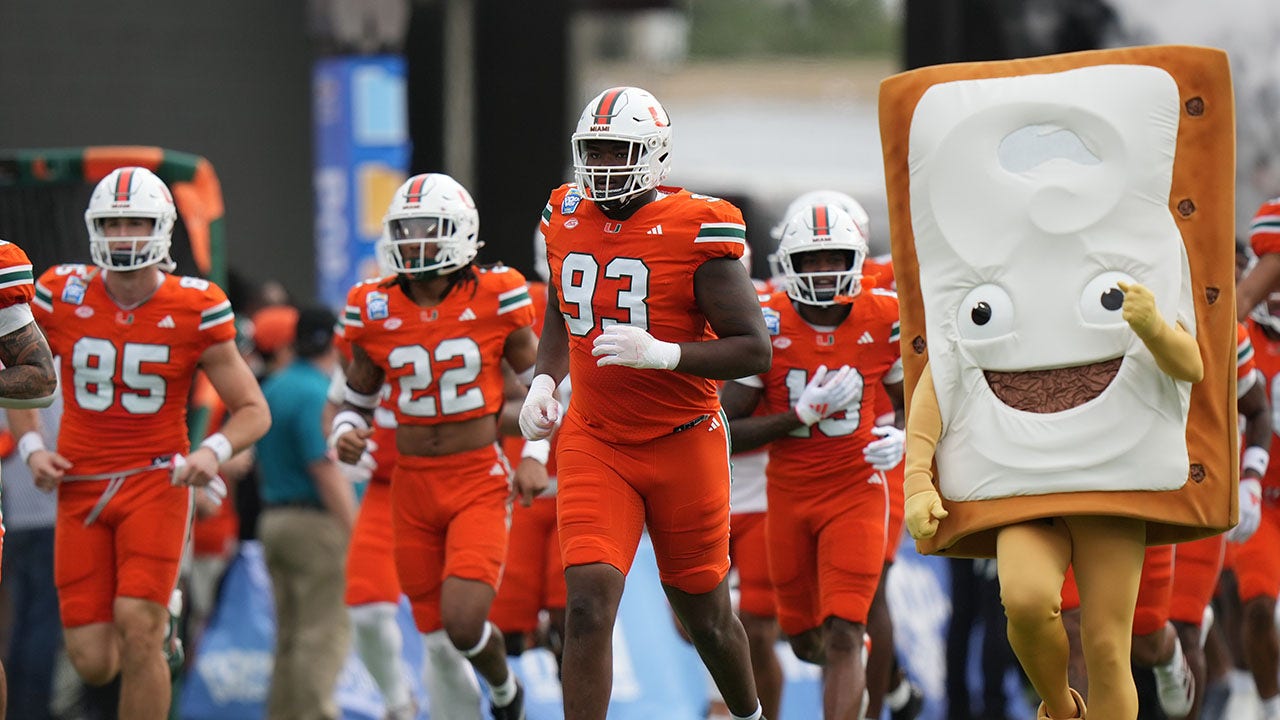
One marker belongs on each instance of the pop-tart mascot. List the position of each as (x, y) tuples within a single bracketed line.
[(1062, 240)]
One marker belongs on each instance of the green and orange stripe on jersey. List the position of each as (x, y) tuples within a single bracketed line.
[(608, 106)]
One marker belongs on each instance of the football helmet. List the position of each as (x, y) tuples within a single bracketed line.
[(827, 197), (816, 228), (633, 116), (131, 192), (431, 209), (1267, 313)]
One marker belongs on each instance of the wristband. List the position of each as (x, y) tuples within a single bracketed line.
[(30, 442), (1255, 458), (220, 446), (360, 400), (539, 450), (344, 421)]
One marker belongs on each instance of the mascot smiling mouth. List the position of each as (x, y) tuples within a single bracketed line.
[(1051, 391)]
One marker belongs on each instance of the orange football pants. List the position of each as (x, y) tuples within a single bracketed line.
[(533, 578), (826, 551), (132, 549), (450, 517), (676, 485), (749, 552), (371, 561)]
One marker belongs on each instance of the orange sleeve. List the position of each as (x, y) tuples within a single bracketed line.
[(1264, 231)]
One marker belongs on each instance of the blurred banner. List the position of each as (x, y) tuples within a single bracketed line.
[(655, 673), (361, 156)]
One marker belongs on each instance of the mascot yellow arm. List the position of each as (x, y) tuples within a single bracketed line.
[(1175, 351), (923, 507)]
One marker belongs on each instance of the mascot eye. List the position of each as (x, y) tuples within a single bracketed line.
[(985, 313), (981, 313), (1102, 299)]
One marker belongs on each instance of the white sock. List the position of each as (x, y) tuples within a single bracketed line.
[(379, 644), (450, 682), (897, 698), (1173, 664), (504, 692), (1271, 707), (757, 715)]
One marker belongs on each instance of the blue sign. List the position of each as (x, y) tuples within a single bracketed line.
[(361, 156)]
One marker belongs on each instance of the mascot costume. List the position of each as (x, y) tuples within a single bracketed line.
[(1062, 233)]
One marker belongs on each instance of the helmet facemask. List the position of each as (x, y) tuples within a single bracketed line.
[(426, 246), (617, 184)]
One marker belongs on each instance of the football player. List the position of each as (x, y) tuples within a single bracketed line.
[(437, 331), (647, 305), (130, 337), (834, 340)]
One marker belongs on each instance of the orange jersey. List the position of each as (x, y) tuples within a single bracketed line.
[(1264, 231), (16, 286), (1244, 353), (880, 269), (1266, 355), (443, 362), (868, 341), (638, 272), (126, 374)]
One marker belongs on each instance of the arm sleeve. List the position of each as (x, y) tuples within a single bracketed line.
[(924, 428)]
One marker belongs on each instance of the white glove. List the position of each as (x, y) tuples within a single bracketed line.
[(216, 490), (631, 346), (1250, 511), (541, 410), (828, 393), (362, 471), (885, 453)]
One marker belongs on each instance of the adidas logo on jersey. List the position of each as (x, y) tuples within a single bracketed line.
[(497, 469), (866, 338), (655, 230), (467, 314), (166, 322)]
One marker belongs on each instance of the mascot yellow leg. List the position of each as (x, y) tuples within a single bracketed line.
[(1107, 553), (1032, 560)]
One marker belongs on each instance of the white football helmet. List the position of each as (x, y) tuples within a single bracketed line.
[(431, 209), (625, 114), (1265, 313), (827, 197), (131, 192), (815, 228)]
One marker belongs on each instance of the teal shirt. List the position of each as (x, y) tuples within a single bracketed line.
[(296, 397)]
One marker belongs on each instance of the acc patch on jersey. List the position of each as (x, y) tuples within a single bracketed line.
[(73, 291), (375, 304), (570, 203), (772, 320)]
